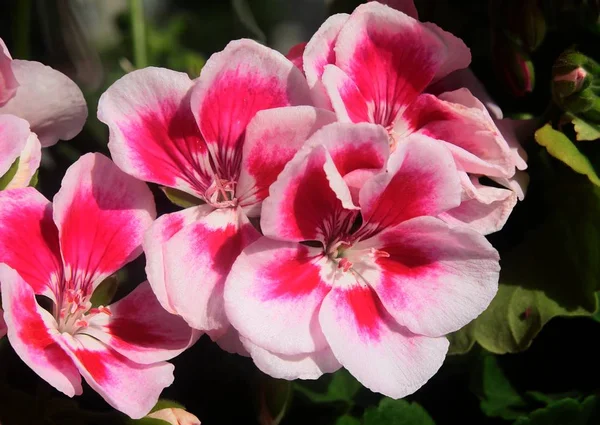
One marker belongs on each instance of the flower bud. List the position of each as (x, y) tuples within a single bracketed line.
[(513, 65), (175, 416), (524, 21)]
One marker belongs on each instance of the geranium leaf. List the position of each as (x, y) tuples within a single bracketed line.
[(566, 411), (397, 412), (586, 131)]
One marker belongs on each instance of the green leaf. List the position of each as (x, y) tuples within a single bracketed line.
[(596, 315), (105, 292), (498, 397), (562, 148), (585, 130), (567, 411), (462, 340), (342, 387), (9, 175), (181, 198), (397, 412), (553, 272), (34, 179), (347, 420), (275, 401), (164, 403), (147, 421), (244, 13)]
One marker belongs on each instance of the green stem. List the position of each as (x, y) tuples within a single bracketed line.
[(138, 28), (22, 31)]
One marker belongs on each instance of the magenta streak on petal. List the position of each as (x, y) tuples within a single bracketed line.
[(364, 310)]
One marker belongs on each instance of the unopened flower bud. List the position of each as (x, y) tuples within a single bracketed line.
[(175, 416), (513, 65)]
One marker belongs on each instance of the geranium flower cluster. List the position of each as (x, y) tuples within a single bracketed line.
[(339, 222)]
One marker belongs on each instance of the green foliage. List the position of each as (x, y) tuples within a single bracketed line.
[(566, 411), (342, 387), (105, 292), (9, 175), (180, 198), (397, 412)]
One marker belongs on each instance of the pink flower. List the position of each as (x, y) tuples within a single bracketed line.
[(38, 106), (175, 416), (223, 138), (377, 64), (63, 250), (354, 269)]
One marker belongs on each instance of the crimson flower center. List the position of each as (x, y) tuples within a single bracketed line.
[(75, 310)]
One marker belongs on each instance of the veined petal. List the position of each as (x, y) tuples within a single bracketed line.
[(290, 367), (390, 56), (234, 85), (29, 162), (458, 56), (155, 240), (101, 214), (269, 280), (382, 355), (421, 179), (52, 104), (197, 261), (228, 340), (319, 52), (272, 139), (129, 387), (436, 279), (140, 329), (309, 200), (295, 55), (14, 133), (153, 133), (483, 208), (8, 82), (346, 99), (33, 334), (463, 122), (29, 239)]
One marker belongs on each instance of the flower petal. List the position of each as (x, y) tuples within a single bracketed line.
[(101, 214), (463, 122), (197, 261), (309, 200), (229, 340), (290, 367), (346, 99), (272, 139), (29, 162), (269, 280), (153, 134), (390, 56), (421, 179), (29, 239), (458, 56), (382, 355), (319, 52), (234, 85), (162, 230), (8, 82), (52, 104), (33, 335), (436, 278), (484, 208), (140, 329), (127, 386), (14, 133), (295, 55)]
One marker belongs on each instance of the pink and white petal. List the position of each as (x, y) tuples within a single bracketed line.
[(436, 279), (382, 355), (52, 104), (513, 131), (517, 183), (269, 280), (458, 54), (2, 324), (462, 121), (102, 215), (390, 56), (29, 239), (295, 55), (483, 208), (309, 200), (129, 387), (162, 230), (197, 261), (14, 133), (153, 133), (8, 82), (234, 85), (405, 6), (272, 139), (229, 340), (319, 52), (29, 162), (421, 179), (140, 329), (33, 334), (346, 99), (290, 367)]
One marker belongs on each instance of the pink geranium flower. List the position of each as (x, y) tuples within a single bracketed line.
[(222, 138), (355, 270), (378, 64), (64, 250), (38, 106)]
